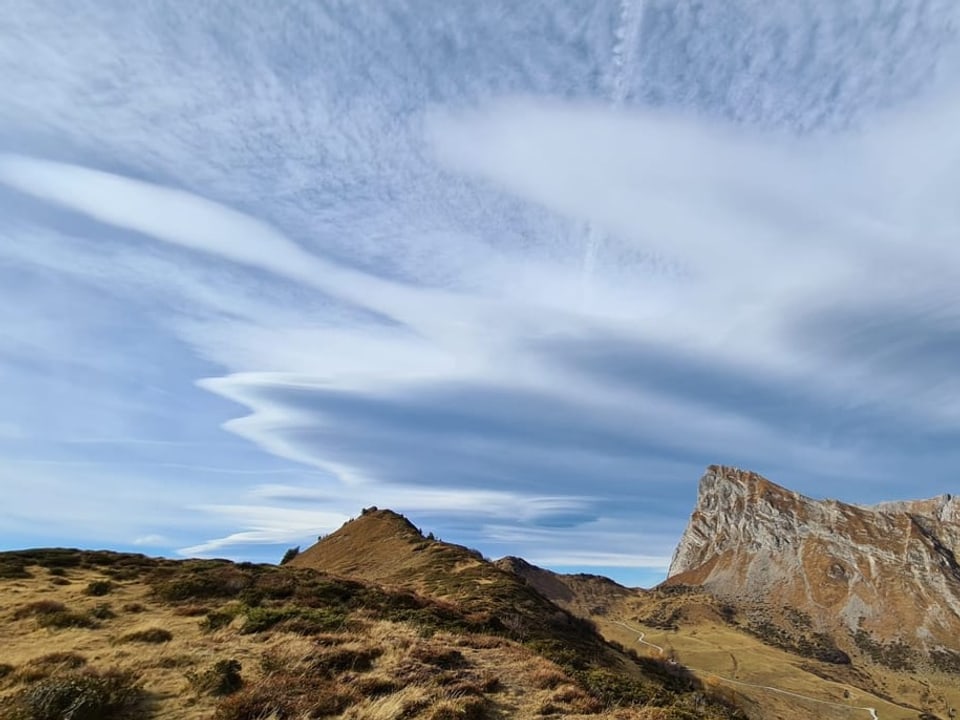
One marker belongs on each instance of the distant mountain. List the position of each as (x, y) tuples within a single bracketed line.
[(882, 582), (580, 593)]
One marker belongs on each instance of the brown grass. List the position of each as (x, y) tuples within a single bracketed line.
[(360, 650)]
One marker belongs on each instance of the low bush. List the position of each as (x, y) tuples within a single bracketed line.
[(285, 696), (39, 607), (614, 689), (66, 619), (13, 569), (220, 680), (468, 708), (202, 580), (98, 588), (103, 611), (290, 555), (216, 619), (303, 621), (150, 635), (85, 695), (441, 657), (333, 661)]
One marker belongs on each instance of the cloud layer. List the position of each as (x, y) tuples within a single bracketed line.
[(519, 273)]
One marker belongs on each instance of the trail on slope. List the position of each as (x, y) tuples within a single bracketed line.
[(642, 634)]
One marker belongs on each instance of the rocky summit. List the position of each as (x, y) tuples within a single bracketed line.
[(873, 577)]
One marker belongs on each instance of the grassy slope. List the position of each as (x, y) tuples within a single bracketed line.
[(697, 630), (701, 633), (307, 644)]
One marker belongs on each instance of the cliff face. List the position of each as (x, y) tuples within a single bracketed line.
[(890, 569)]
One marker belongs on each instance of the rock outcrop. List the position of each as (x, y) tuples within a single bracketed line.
[(867, 575)]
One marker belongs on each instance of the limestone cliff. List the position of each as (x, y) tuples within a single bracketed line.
[(889, 570)]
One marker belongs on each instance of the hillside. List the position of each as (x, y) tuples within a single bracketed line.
[(582, 594), (94, 635)]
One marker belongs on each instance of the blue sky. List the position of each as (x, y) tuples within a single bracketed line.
[(517, 270)]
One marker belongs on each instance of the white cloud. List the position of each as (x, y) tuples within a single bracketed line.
[(503, 309)]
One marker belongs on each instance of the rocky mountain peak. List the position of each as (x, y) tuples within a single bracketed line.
[(889, 569)]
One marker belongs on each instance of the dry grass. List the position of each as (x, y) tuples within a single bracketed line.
[(210, 639), (731, 653)]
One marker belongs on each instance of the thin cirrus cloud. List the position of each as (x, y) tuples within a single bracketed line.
[(520, 285)]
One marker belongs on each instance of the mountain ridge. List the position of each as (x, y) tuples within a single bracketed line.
[(885, 573)]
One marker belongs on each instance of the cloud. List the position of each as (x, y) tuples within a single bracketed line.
[(522, 285)]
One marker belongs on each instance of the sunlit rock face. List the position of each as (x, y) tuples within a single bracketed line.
[(889, 569)]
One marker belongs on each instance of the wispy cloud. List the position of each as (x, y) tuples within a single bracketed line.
[(520, 284)]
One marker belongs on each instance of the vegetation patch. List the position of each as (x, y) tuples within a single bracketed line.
[(303, 621), (87, 695), (286, 695), (818, 646), (330, 662), (64, 619), (150, 635), (217, 619), (469, 708), (945, 660), (220, 680), (51, 664), (895, 655), (98, 588), (102, 611), (38, 607), (13, 569)]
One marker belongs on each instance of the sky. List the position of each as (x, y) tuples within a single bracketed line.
[(519, 271)]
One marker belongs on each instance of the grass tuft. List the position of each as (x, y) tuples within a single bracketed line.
[(85, 695), (150, 635), (98, 588), (220, 680)]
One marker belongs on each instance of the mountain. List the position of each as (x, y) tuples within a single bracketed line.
[(880, 582), (582, 594), (383, 547)]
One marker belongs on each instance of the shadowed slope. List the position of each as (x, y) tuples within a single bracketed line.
[(582, 594)]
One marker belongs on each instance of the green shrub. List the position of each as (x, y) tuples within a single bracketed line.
[(98, 588), (150, 635), (290, 555), (79, 696)]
